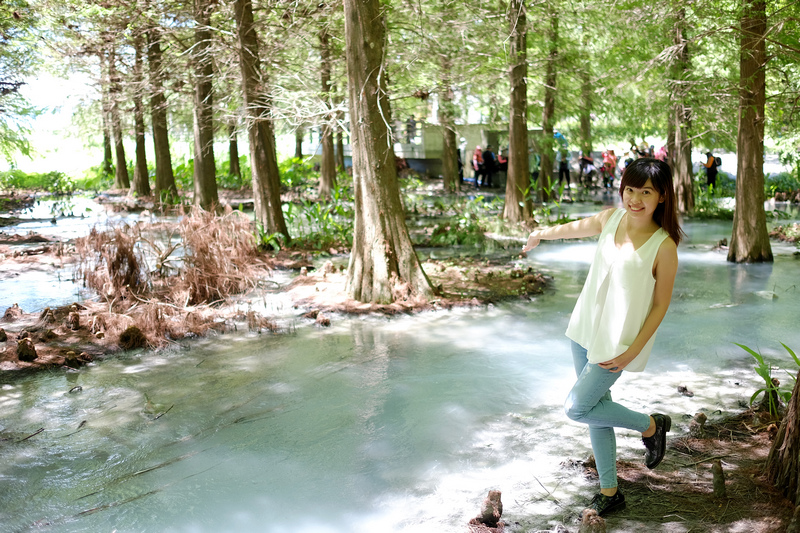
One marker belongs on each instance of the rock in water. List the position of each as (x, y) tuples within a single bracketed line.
[(26, 351), (591, 522), (489, 519)]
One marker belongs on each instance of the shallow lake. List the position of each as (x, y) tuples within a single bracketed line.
[(374, 424)]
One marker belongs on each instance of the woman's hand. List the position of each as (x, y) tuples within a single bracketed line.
[(533, 242), (619, 363)]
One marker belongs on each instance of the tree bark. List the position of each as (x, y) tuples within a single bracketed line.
[(327, 177), (263, 157), (446, 116), (681, 119), (141, 178), (783, 462), (121, 178), (518, 206), (750, 240), (548, 112), (205, 172), (587, 99), (233, 150), (165, 179), (383, 264)]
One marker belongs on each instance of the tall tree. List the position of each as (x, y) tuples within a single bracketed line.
[(518, 203), (141, 179), (121, 177), (549, 109), (750, 239), (447, 122), (383, 263), (205, 176), (260, 131), (327, 179), (165, 179), (680, 140)]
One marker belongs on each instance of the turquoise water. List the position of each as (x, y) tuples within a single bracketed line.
[(373, 424)]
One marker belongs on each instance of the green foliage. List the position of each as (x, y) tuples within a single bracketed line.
[(708, 201), (771, 390), (297, 171), (317, 224), (55, 182), (95, 179), (226, 180), (781, 182)]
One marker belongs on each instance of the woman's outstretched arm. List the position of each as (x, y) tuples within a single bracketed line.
[(585, 227)]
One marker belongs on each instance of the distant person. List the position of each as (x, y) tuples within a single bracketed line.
[(711, 170), (587, 170), (609, 168), (489, 166), (661, 154), (502, 162), (623, 301), (563, 167), (477, 164)]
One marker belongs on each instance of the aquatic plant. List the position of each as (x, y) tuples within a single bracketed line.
[(773, 394)]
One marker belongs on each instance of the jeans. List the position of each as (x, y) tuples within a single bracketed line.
[(589, 402)]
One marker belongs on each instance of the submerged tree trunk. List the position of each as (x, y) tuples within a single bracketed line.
[(327, 176), (121, 178), (263, 157), (750, 239), (446, 116), (234, 169), (681, 119), (548, 113), (165, 179), (141, 179), (205, 172), (518, 205), (383, 264)]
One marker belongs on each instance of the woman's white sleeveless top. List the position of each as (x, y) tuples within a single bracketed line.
[(616, 298)]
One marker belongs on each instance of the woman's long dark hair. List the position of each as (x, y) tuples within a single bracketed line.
[(658, 172)]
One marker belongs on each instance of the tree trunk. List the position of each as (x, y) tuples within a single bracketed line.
[(165, 179), (446, 115), (383, 264), (518, 206), (141, 178), (121, 179), (298, 142), (233, 150), (783, 462), (205, 172), (263, 157), (750, 240), (108, 155), (587, 99), (548, 113), (327, 177), (339, 138), (681, 119)]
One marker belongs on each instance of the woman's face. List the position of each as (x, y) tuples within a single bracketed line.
[(641, 202)]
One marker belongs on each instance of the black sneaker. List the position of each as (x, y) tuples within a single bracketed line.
[(657, 444), (605, 504)]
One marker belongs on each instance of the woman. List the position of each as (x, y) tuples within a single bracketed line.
[(625, 297)]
